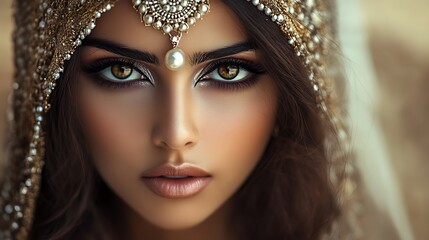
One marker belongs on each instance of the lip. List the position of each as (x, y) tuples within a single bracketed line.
[(170, 181)]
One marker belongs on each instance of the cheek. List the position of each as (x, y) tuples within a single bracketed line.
[(112, 122), (236, 129)]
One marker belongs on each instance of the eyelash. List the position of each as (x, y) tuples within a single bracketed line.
[(253, 68), (96, 67), (99, 65)]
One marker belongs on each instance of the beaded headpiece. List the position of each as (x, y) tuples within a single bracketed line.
[(173, 18), (49, 31)]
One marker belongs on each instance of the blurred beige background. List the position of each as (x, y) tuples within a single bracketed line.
[(398, 39), (399, 43)]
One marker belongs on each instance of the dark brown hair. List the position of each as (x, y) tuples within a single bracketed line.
[(288, 196)]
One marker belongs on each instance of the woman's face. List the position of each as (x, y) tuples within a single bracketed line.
[(174, 145)]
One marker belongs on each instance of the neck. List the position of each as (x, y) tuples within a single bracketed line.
[(215, 227)]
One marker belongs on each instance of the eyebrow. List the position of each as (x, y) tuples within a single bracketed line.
[(196, 58), (121, 50), (201, 57)]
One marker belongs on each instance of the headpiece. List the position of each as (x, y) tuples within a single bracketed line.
[(49, 31), (172, 17)]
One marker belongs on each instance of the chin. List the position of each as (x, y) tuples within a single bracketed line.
[(178, 222), (180, 215)]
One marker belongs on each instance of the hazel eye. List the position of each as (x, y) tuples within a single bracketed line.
[(228, 71), (121, 72)]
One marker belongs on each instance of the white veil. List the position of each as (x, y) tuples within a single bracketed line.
[(371, 155)]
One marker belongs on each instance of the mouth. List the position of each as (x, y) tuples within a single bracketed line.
[(173, 182)]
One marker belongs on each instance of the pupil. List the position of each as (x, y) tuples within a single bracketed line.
[(228, 71), (121, 71)]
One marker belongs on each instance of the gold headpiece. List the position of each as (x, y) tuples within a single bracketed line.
[(172, 17), (49, 31)]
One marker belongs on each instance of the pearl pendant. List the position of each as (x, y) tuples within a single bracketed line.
[(174, 59)]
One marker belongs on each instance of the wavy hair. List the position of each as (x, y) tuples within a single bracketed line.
[(287, 196)]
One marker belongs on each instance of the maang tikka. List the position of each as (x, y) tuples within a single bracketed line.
[(172, 17)]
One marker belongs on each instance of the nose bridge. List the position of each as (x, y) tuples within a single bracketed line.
[(175, 128)]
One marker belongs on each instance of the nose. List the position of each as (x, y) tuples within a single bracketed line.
[(175, 126)]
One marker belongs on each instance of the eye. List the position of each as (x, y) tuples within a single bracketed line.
[(121, 72), (228, 72)]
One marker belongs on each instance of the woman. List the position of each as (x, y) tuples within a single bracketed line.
[(226, 132)]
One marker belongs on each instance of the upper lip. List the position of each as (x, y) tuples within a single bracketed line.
[(171, 170)]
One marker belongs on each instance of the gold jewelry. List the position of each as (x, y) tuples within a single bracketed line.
[(172, 17), (49, 31)]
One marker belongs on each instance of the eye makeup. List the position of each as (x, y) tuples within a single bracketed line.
[(235, 65), (224, 74), (100, 71)]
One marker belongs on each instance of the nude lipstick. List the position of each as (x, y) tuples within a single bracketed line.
[(170, 181)]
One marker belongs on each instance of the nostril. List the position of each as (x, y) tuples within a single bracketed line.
[(167, 145)]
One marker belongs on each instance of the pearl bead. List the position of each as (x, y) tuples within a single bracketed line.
[(184, 27), (167, 28), (142, 9), (137, 2), (191, 21), (174, 59), (204, 8), (148, 19), (157, 24)]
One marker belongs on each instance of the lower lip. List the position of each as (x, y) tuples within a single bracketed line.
[(176, 188)]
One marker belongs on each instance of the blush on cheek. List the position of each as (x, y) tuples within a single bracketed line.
[(105, 127), (237, 128)]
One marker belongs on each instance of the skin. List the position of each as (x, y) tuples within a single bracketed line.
[(176, 121)]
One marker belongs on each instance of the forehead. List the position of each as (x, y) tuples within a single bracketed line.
[(219, 28)]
